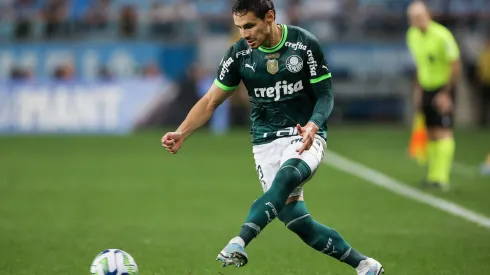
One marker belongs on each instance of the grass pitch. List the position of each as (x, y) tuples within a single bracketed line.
[(65, 199)]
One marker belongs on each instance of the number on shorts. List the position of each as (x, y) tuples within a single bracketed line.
[(261, 177), (259, 172)]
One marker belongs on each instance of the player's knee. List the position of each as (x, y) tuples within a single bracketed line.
[(296, 218), (296, 168), (288, 173), (291, 174)]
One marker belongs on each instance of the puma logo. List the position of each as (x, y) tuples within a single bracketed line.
[(250, 66)]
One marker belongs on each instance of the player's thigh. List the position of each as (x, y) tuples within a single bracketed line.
[(267, 160), (312, 157)]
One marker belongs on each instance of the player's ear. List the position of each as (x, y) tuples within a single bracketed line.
[(270, 16)]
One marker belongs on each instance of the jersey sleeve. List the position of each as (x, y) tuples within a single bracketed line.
[(316, 64), (451, 47), (320, 79), (228, 75)]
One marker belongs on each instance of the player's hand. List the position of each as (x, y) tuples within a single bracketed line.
[(172, 142), (443, 102), (308, 133)]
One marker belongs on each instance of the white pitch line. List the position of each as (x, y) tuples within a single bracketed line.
[(382, 180)]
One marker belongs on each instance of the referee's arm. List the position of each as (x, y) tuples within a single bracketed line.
[(417, 89), (452, 53), (455, 72), (417, 92)]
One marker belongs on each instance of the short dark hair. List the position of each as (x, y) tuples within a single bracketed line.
[(259, 7)]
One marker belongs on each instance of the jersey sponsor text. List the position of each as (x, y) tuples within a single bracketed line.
[(244, 52), (312, 63), (296, 46), (281, 88), (224, 68)]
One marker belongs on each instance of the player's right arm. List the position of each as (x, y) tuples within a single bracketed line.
[(197, 117), (226, 82)]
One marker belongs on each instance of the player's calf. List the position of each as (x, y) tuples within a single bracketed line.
[(321, 238), (265, 209)]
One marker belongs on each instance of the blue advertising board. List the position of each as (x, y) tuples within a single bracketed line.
[(77, 107)]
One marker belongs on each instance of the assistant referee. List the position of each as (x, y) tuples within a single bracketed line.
[(437, 58)]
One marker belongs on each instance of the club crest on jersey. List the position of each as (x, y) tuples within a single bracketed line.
[(281, 88), (294, 63), (272, 66)]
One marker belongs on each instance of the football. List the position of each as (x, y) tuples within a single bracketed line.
[(114, 262)]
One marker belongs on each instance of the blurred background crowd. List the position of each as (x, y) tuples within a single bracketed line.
[(182, 41), (181, 20)]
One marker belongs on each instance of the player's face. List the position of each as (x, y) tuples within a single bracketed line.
[(419, 17), (420, 21), (253, 29)]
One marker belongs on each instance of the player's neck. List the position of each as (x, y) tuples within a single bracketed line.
[(274, 37), (425, 28)]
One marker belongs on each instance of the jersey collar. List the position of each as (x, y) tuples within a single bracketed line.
[(431, 26), (280, 44)]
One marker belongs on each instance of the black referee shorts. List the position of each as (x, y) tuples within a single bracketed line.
[(432, 116)]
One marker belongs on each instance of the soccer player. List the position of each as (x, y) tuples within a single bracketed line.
[(436, 56), (289, 85)]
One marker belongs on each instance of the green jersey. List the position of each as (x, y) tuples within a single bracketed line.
[(288, 84)]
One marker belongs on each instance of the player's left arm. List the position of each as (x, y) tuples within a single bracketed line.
[(321, 82), (443, 100)]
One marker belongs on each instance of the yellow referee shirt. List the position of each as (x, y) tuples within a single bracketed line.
[(433, 53)]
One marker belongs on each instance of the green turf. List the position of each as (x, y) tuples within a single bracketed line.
[(65, 199), (386, 149)]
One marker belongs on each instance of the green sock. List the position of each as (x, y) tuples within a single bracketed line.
[(432, 157), (266, 208), (318, 236), (444, 159)]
